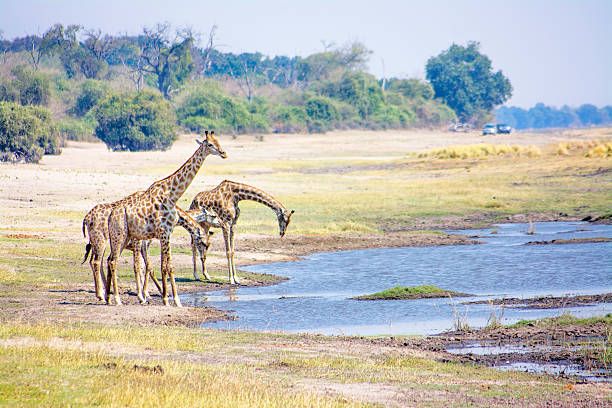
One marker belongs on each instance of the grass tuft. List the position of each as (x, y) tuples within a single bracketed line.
[(410, 292)]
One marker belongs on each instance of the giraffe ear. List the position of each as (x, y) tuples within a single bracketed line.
[(201, 143)]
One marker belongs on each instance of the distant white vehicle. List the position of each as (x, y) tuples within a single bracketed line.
[(489, 130), (460, 127)]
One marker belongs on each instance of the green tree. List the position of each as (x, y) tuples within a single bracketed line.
[(463, 78), (208, 107), (27, 88), (589, 114), (168, 59), (320, 66), (91, 93), (141, 121), (27, 132), (411, 88), (358, 89)]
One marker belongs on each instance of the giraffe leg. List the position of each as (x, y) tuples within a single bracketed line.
[(232, 242), (137, 273), (95, 265), (195, 247), (226, 238), (97, 244), (112, 276), (203, 249), (167, 254), (102, 269), (116, 229), (144, 252)]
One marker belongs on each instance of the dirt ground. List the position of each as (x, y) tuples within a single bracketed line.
[(41, 200)]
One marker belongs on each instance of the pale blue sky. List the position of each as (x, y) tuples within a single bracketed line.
[(554, 51)]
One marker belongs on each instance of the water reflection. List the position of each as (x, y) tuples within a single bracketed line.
[(317, 296)]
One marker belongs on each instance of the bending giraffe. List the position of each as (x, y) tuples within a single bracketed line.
[(96, 223), (223, 200), (152, 214), (200, 238)]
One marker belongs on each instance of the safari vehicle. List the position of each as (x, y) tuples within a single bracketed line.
[(489, 130), (460, 127), (503, 128)]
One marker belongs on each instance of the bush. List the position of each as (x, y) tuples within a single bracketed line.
[(78, 129), (142, 121), (27, 87), (27, 132), (208, 107), (288, 119), (91, 93)]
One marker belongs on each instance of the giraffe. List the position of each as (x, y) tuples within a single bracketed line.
[(224, 199), (206, 219), (152, 214), (96, 222)]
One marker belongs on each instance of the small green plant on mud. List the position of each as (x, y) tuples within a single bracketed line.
[(460, 320), (495, 316)]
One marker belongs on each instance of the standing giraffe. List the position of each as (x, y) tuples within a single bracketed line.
[(151, 214), (96, 222), (224, 199)]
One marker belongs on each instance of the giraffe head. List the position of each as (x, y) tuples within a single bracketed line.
[(211, 145), (283, 221)]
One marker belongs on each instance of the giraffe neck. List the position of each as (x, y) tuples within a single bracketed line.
[(173, 186), (185, 220), (246, 192)]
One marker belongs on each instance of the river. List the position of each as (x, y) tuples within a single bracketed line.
[(316, 298)]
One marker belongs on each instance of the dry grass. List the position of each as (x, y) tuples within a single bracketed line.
[(481, 150)]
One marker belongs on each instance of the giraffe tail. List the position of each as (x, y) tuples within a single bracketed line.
[(87, 249), (84, 221)]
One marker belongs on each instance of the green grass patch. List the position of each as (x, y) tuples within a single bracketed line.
[(564, 319), (411, 292)]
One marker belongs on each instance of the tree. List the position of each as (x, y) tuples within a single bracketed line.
[(77, 61), (27, 132), (169, 59), (141, 121), (463, 78), (589, 114), (319, 66), (411, 88), (359, 89), (92, 92), (54, 39), (203, 57), (27, 88)]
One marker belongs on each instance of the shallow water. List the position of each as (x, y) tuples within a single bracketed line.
[(570, 370), (316, 299)]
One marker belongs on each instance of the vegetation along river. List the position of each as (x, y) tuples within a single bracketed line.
[(316, 298)]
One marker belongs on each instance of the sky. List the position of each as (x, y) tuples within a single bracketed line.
[(557, 52)]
